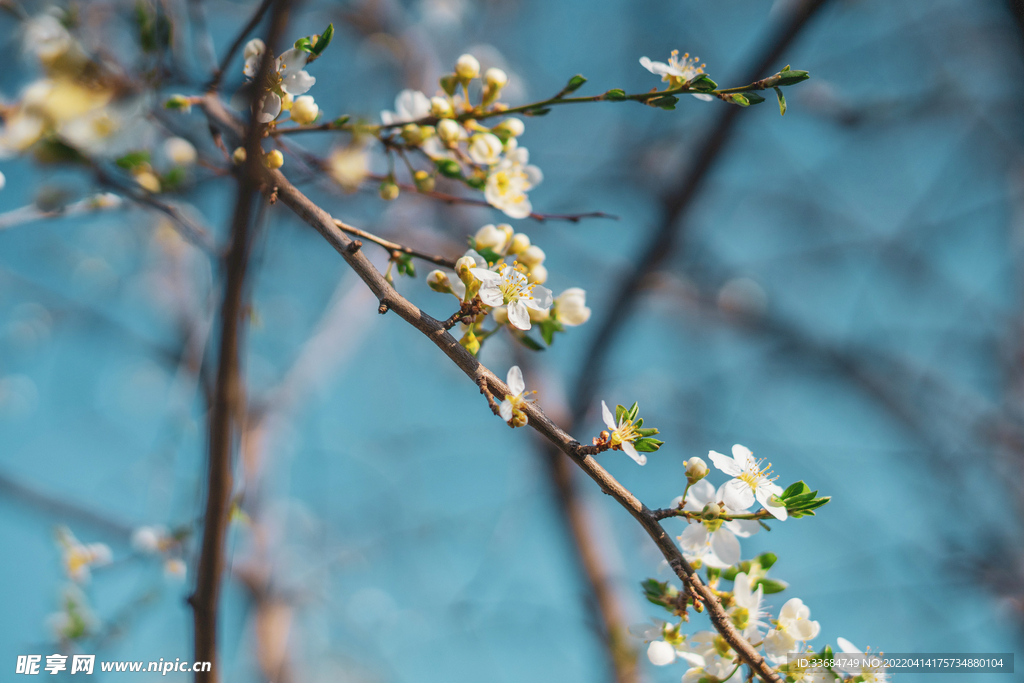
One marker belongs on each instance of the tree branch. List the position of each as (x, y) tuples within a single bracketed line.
[(218, 76)]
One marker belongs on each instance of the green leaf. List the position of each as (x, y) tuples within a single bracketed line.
[(766, 560), (173, 178), (304, 44), (538, 111), (574, 84), (633, 410), (324, 40), (615, 95), (647, 445), (782, 102), (341, 120), (770, 586), (730, 573), (702, 84), (548, 328), (133, 159), (448, 168), (788, 77), (754, 98), (489, 255), (477, 183), (795, 489), (650, 431), (620, 413), (668, 102)]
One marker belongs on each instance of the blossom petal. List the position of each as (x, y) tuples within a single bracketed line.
[(703, 97), (506, 410), (515, 380), (726, 546), (699, 495), (737, 494), (726, 464), (606, 415), (518, 315), (297, 83), (743, 455), (542, 296), (694, 539), (630, 450), (484, 275), (693, 659), (776, 507), (661, 653)]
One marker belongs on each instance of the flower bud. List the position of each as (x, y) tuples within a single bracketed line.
[(467, 67), (179, 102), (286, 102), (571, 307), (538, 316), (538, 275), (273, 159), (490, 237), (496, 78), (520, 242), (238, 156), (412, 134), (500, 315), (424, 181), (148, 181), (440, 107), (507, 229), (511, 127), (532, 256), (696, 469), (711, 511), (304, 110), (462, 269), (388, 190), (449, 131), (180, 151), (438, 281)]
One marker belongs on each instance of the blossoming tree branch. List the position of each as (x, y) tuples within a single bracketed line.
[(88, 112)]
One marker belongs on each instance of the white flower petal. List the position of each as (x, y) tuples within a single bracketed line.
[(506, 410), (515, 380), (737, 495), (726, 546), (517, 313), (725, 464), (606, 415), (630, 450), (297, 83), (699, 495), (661, 653)]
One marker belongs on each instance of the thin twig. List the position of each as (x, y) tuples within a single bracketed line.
[(395, 246), (218, 76)]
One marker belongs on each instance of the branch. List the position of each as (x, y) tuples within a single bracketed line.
[(228, 396), (395, 246)]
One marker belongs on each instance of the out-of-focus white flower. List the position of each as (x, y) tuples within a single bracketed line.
[(520, 243), (485, 149), (751, 481), (46, 37), (75, 619), (719, 664), (440, 107), (532, 256), (180, 151), (3, 180), (510, 180), (677, 71), (254, 48), (793, 628), (304, 110), (78, 558), (868, 673), (491, 237), (20, 132), (511, 127), (513, 289), (410, 105), (747, 615), (175, 568), (152, 540), (538, 274), (349, 167), (622, 434), (467, 67), (571, 307)]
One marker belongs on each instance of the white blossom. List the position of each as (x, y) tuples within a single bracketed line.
[(751, 481), (485, 149), (868, 674), (622, 434), (410, 105), (677, 71), (510, 180), (793, 628), (511, 408), (571, 307), (513, 289)]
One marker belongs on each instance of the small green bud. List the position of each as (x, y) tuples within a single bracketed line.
[(424, 181), (388, 190), (711, 512)]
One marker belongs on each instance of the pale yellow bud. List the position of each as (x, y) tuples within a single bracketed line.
[(424, 181), (238, 156), (500, 315), (511, 127), (388, 191), (520, 243), (449, 131), (696, 469), (180, 151), (440, 107), (467, 67), (148, 181), (490, 237), (538, 274), (411, 134), (304, 110), (273, 159), (496, 78), (532, 256), (538, 316), (438, 281)]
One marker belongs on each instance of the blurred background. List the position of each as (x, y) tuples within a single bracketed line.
[(840, 289)]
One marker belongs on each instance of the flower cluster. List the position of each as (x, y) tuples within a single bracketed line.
[(78, 557), (445, 130), (159, 542), (717, 518), (503, 275)]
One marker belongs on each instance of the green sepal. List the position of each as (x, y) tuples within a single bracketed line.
[(633, 410), (449, 82), (405, 265), (649, 431), (476, 183), (620, 413), (489, 255)]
